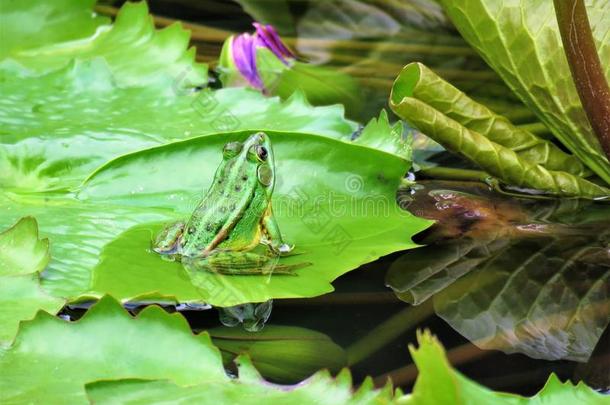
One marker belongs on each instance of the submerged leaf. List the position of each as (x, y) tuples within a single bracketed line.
[(522, 285), (22, 257), (520, 40), (537, 297)]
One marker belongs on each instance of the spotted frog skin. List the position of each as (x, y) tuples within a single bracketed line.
[(233, 218)]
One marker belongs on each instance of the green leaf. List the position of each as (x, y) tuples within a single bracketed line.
[(56, 128), (419, 82), (29, 24), (492, 157), (339, 216), (107, 344), (134, 51), (51, 359), (22, 257), (250, 388), (381, 135), (438, 383), (321, 86), (78, 232), (125, 88), (286, 354), (521, 41)]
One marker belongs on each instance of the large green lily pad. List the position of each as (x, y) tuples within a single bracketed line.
[(339, 214)]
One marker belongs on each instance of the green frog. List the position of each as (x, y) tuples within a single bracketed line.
[(233, 218)]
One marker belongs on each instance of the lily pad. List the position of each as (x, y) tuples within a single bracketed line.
[(59, 125), (135, 52), (155, 345), (437, 383), (22, 257), (31, 24), (57, 128), (250, 388), (80, 103), (339, 216)]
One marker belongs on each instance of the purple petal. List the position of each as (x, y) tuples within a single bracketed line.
[(244, 57), (270, 39)]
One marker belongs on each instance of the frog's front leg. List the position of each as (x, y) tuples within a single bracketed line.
[(274, 237), (167, 242)]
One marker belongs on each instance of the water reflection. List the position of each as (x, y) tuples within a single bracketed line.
[(515, 275)]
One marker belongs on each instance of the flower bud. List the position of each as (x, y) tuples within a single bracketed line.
[(239, 54), (282, 354)]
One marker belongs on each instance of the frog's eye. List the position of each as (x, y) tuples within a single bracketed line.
[(261, 153), (231, 149)]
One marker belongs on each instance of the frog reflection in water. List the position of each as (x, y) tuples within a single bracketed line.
[(233, 219)]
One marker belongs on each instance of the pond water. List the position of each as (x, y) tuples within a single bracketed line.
[(515, 288)]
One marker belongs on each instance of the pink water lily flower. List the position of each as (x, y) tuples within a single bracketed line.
[(244, 52)]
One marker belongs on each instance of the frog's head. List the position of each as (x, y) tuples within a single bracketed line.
[(255, 153)]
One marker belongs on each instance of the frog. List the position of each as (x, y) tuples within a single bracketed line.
[(233, 218)]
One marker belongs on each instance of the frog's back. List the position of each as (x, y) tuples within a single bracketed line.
[(225, 202)]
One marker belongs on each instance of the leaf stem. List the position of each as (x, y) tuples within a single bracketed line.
[(586, 67), (451, 173), (387, 331)]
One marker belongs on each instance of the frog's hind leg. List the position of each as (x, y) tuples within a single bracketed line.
[(243, 263), (167, 241)]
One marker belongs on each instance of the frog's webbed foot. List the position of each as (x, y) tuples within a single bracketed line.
[(252, 316), (282, 249), (166, 242)]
